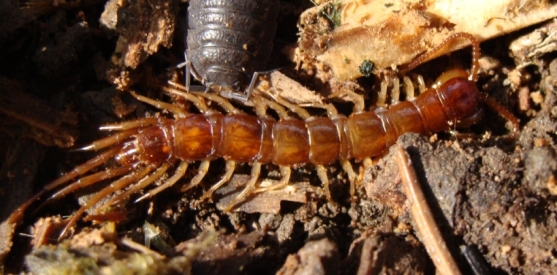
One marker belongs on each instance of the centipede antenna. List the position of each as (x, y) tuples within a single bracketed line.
[(506, 114), (117, 185), (178, 174), (128, 125), (423, 218), (108, 141), (229, 170), (255, 171)]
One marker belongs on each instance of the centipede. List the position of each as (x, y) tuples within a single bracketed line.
[(145, 149)]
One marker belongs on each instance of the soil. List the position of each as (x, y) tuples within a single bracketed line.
[(494, 197)]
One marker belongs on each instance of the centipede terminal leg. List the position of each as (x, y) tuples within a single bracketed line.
[(140, 185), (116, 185)]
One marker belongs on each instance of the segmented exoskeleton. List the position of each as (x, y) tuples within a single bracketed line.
[(229, 42), (146, 148)]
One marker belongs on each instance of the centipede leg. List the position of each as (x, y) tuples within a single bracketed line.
[(161, 105), (347, 167), (322, 174), (408, 88), (395, 94), (285, 173), (225, 104), (357, 99), (255, 171), (201, 172), (199, 104), (116, 185), (382, 95), (178, 174), (281, 111), (230, 167)]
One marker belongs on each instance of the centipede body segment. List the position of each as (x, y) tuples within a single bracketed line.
[(145, 149)]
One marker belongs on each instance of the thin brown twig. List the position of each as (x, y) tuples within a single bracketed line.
[(423, 218)]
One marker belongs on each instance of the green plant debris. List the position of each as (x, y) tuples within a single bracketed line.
[(366, 68), (332, 11)]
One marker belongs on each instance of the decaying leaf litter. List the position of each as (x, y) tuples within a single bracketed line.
[(493, 196)]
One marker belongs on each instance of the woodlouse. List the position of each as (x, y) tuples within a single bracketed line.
[(229, 41), (146, 148)]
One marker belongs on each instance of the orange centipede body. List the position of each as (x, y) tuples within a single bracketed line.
[(146, 148)]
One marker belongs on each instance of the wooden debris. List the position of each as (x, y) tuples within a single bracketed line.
[(393, 33)]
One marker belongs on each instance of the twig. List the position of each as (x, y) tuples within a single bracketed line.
[(423, 218)]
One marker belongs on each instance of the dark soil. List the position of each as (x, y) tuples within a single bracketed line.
[(495, 199)]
